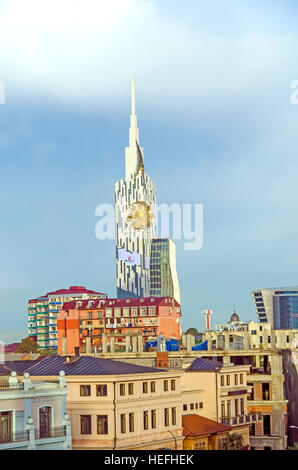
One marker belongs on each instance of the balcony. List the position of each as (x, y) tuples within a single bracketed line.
[(250, 418), (38, 439)]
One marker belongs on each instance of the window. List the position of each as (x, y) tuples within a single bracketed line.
[(228, 408), (101, 390), (236, 379), (222, 380), (89, 315), (184, 407), (236, 407), (102, 424), (145, 387), (201, 404), (228, 380), (166, 417), (192, 406), (222, 408), (166, 385), (153, 419), (122, 389), (242, 406), (145, 420), (123, 423), (85, 390), (85, 424), (241, 378), (152, 385), (196, 406), (131, 422), (173, 385), (130, 389), (173, 416)]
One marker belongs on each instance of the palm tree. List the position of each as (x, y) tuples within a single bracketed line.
[(295, 447), (233, 441)]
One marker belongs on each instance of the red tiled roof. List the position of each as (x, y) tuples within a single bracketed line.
[(129, 302), (195, 425), (70, 290), (11, 348)]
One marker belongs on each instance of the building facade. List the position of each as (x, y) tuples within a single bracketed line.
[(219, 392), (163, 272), (43, 312), (33, 413), (117, 406), (135, 200), (278, 306), (145, 265), (117, 324)]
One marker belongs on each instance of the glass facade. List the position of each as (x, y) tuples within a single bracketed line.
[(285, 308), (163, 273)]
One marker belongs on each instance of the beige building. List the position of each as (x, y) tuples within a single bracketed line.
[(113, 405), (219, 392)]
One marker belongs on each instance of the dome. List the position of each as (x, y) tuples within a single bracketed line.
[(234, 317)]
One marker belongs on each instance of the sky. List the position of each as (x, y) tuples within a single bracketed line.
[(213, 98)]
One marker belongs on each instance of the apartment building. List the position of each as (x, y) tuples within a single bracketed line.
[(114, 405), (219, 392), (117, 325), (43, 312)]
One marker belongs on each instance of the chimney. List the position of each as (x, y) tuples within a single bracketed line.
[(162, 359)]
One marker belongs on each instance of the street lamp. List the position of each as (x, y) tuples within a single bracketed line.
[(174, 439)]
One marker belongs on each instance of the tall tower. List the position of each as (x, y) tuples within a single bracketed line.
[(135, 200), (207, 314)]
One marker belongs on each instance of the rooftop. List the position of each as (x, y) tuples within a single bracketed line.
[(84, 365), (131, 302), (195, 425), (205, 364), (71, 290)]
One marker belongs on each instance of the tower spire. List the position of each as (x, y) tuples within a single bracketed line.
[(132, 157), (133, 96), (133, 131)]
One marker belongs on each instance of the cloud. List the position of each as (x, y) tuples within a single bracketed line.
[(82, 53)]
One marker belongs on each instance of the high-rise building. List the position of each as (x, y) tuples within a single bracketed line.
[(278, 306), (163, 272), (135, 225), (135, 207), (43, 312)]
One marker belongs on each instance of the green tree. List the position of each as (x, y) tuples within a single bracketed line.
[(27, 345), (233, 441), (192, 331), (295, 446)]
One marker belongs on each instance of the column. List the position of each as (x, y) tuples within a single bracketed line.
[(68, 440), (127, 343), (104, 344), (140, 344), (134, 344), (88, 346), (30, 427)]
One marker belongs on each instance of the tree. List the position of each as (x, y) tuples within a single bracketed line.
[(295, 446), (233, 441), (28, 345), (192, 331)]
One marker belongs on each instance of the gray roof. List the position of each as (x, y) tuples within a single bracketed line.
[(205, 364), (87, 365), (19, 366)]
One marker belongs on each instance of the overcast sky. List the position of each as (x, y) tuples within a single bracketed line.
[(213, 87)]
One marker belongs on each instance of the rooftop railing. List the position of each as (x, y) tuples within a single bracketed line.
[(241, 419)]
